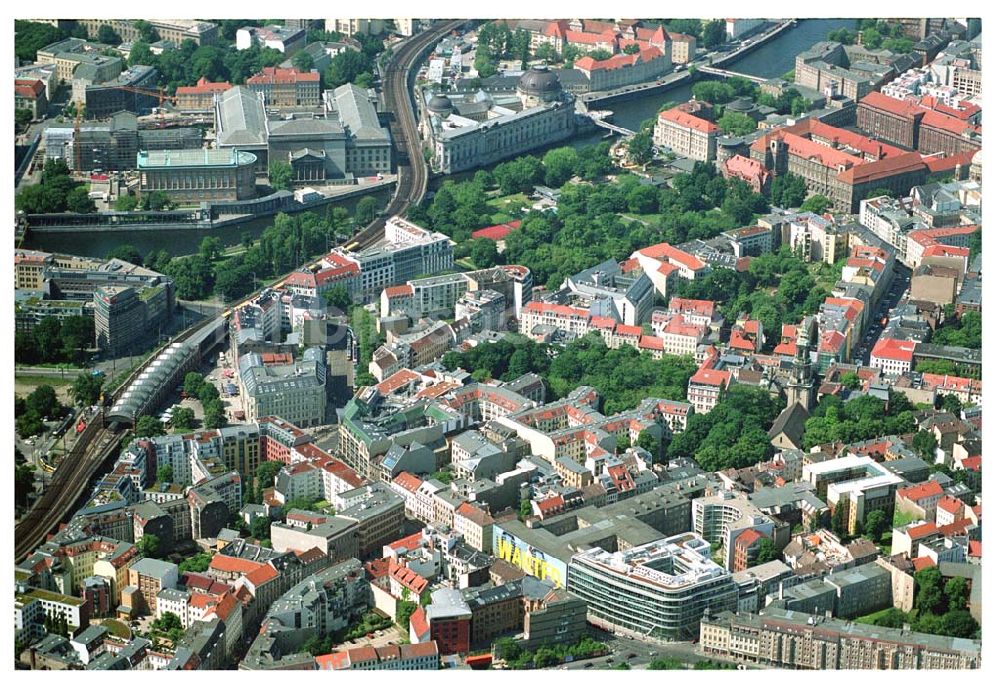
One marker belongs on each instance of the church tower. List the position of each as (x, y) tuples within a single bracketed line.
[(800, 389)]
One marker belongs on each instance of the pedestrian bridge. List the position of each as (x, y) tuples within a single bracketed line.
[(715, 71), (599, 118)]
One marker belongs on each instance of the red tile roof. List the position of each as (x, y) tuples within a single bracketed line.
[(942, 122), (975, 549), (276, 75), (948, 164), (949, 504), (232, 564), (408, 578), (902, 108), (664, 251), (893, 349), (418, 623), (265, 573), (922, 530), (921, 491), (28, 88), (689, 121), (890, 166), (923, 562), (408, 481), (397, 381), (748, 537), (204, 86)]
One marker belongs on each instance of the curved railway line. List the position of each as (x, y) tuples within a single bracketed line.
[(74, 474), (411, 184)]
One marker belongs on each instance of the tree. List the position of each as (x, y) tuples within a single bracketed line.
[(279, 173), (925, 445), (183, 418), (147, 426), (146, 31), (640, 148), (78, 200), (165, 473), (303, 61), (736, 124), (647, 441), (267, 471), (959, 623), (86, 389), (665, 663), (148, 545), (483, 253), (196, 563), (193, 277), (28, 424), (525, 509), (766, 551), (157, 201), (404, 609), (713, 33), (875, 524), (215, 414), (211, 248), (560, 165), (850, 380), (957, 592), (108, 36), (22, 118), (260, 528), (126, 252), (29, 36), (193, 383), (43, 401), (366, 210), (929, 591), (346, 67), (338, 297), (817, 204), (950, 403), (126, 203), (24, 481)]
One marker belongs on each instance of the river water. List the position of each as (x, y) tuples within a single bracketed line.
[(771, 60)]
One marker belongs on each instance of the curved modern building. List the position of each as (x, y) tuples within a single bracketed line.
[(658, 590)]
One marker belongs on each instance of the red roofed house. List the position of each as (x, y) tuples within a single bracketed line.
[(286, 87), (29, 94), (747, 335), (753, 172), (401, 577), (707, 385), (893, 356), (686, 134), (201, 96), (949, 510), (920, 500), (745, 549), (648, 64), (662, 262)]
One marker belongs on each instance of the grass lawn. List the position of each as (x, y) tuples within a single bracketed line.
[(872, 617), (117, 628), (900, 519), (507, 206), (651, 218), (466, 263)]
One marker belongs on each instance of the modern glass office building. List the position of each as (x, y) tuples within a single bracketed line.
[(658, 590)]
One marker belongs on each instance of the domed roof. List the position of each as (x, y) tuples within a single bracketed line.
[(439, 103), (977, 159), (741, 104), (539, 80)]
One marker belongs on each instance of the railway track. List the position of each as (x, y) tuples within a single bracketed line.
[(411, 184), (77, 469), (68, 484)]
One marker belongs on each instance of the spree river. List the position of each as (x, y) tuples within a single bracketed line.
[(771, 60)]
